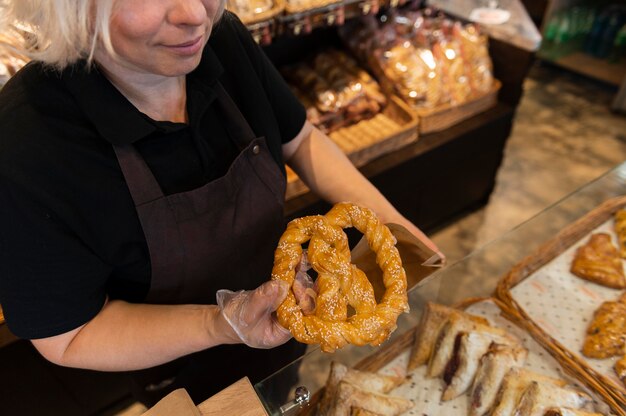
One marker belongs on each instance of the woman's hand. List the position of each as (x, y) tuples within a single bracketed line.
[(250, 314)]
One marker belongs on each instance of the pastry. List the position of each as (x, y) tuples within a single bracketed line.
[(620, 369), (353, 392), (515, 383), (433, 318), (606, 335), (599, 261), (538, 397), (340, 283), (468, 349), (444, 345), (492, 368)]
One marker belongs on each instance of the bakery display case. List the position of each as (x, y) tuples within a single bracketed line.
[(471, 284)]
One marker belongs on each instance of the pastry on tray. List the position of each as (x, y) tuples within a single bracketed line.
[(564, 411), (352, 392), (606, 335), (473, 357), (599, 261)]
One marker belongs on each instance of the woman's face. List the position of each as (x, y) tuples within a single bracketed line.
[(161, 37)]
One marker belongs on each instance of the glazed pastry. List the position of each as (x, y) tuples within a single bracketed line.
[(620, 229), (492, 368), (339, 282), (606, 335), (444, 345), (564, 411), (433, 318), (599, 261), (539, 397), (468, 349), (515, 383)]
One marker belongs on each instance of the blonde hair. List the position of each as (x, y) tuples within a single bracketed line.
[(64, 31)]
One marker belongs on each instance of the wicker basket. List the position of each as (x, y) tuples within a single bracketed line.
[(278, 8), (442, 117), (393, 128), (391, 350), (613, 392)]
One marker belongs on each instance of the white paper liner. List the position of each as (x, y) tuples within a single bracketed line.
[(426, 393), (563, 304)]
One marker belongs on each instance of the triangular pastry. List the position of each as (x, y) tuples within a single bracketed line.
[(444, 345), (599, 261), (515, 382), (539, 397), (468, 349), (492, 368), (433, 318), (365, 380), (349, 397)]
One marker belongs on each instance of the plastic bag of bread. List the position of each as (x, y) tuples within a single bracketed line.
[(248, 9), (474, 50)]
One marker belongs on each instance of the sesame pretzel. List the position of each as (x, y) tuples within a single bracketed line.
[(339, 281)]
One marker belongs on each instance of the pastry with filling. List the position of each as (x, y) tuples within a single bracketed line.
[(433, 318), (515, 383), (492, 368), (469, 347), (539, 397), (599, 261), (443, 349), (620, 229)]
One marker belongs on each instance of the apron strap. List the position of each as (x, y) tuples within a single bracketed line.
[(141, 182), (236, 126)]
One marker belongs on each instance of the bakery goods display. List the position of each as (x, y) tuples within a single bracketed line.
[(599, 261), (426, 58), (487, 363), (335, 91), (344, 309)]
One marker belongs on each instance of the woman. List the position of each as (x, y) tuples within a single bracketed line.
[(141, 171)]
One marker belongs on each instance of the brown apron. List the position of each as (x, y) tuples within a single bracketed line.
[(219, 236)]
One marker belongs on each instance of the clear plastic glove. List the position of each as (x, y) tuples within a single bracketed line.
[(250, 314)]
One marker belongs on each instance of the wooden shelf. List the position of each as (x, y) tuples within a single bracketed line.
[(600, 69)]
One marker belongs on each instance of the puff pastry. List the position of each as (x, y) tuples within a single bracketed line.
[(515, 383), (433, 318), (620, 369), (599, 261), (493, 366), (538, 397), (606, 335)]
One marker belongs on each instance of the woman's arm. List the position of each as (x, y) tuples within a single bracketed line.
[(329, 173), (125, 336)]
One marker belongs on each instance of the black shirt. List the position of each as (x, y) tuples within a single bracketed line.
[(69, 232)]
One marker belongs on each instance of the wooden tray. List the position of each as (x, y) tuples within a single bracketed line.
[(442, 117), (543, 260), (403, 343), (392, 129), (277, 9)]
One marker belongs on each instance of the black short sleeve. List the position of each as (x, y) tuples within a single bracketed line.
[(51, 283)]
